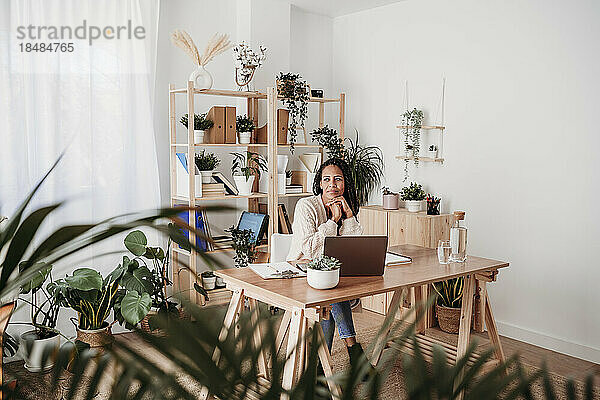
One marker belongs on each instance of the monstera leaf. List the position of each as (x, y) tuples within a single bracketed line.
[(85, 279), (136, 242), (39, 277), (134, 306), (138, 280)]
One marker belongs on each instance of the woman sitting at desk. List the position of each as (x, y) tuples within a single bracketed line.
[(330, 212)]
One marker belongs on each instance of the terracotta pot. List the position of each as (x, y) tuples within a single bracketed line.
[(96, 338), (448, 318)]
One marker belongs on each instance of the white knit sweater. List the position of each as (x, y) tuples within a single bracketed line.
[(311, 226)]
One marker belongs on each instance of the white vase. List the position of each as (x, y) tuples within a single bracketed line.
[(244, 186), (245, 137), (288, 181), (209, 282), (33, 349), (413, 205), (281, 183), (198, 136), (263, 183), (322, 279), (202, 78), (282, 161), (206, 176), (433, 154), (310, 179)]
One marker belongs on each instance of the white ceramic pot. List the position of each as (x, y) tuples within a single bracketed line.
[(206, 176), (282, 161), (288, 181), (33, 349), (322, 279), (245, 137), (244, 186), (433, 154), (198, 136), (390, 201), (413, 205), (209, 283), (263, 183), (281, 183), (219, 282)]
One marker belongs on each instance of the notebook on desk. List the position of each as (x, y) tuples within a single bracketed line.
[(276, 270), (392, 258)]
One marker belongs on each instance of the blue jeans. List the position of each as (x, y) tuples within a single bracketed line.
[(341, 314)]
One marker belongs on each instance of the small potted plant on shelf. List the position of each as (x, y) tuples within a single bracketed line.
[(288, 177), (44, 337), (244, 168), (244, 127), (206, 163), (244, 244), (201, 124), (433, 151), (390, 199), (413, 196), (323, 272), (208, 280), (449, 303), (295, 93), (433, 205)]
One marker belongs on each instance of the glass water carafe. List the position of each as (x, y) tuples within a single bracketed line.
[(458, 238)]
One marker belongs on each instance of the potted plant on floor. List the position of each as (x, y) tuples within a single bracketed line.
[(44, 337), (201, 124), (93, 298), (244, 127), (244, 244), (390, 199), (323, 272), (449, 303), (413, 196), (295, 93), (244, 168), (206, 163)]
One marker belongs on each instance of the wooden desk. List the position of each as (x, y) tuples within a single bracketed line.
[(306, 306)]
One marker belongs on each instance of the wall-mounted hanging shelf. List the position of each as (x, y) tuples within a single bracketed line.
[(424, 127), (440, 160)]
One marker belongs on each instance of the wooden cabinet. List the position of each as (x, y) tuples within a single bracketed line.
[(402, 227)]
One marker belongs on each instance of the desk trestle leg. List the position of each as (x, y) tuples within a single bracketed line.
[(262, 360), (381, 339), (464, 330)]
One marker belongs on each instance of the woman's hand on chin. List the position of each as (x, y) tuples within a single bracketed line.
[(343, 204)]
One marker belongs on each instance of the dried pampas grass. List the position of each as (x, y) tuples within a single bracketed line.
[(216, 45)]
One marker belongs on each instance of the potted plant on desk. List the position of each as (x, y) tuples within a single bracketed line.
[(244, 168), (201, 124), (449, 303), (206, 163), (44, 337), (323, 272), (413, 196)]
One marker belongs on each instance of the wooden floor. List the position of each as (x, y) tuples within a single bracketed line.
[(557, 363)]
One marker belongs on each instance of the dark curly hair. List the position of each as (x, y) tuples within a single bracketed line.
[(349, 188)]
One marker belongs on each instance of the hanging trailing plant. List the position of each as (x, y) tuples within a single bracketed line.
[(329, 139), (412, 122), (295, 97)]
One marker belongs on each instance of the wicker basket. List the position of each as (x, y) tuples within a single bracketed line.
[(448, 318), (96, 338), (145, 325)]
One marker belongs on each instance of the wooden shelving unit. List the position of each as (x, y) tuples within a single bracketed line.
[(185, 278)]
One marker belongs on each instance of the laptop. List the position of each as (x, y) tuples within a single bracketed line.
[(360, 255)]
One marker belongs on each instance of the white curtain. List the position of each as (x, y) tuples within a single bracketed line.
[(94, 103)]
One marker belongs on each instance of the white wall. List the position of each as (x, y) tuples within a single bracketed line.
[(521, 117)]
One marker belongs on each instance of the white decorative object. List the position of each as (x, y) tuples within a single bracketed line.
[(433, 154), (245, 137), (198, 136), (288, 181), (281, 183), (413, 205), (282, 161), (244, 186), (322, 279), (33, 357), (206, 176), (310, 179), (263, 183), (183, 184), (246, 63), (209, 282), (311, 161), (201, 77)]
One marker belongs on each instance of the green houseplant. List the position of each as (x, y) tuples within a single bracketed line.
[(412, 121), (206, 163), (412, 196), (244, 126), (295, 93), (448, 304), (244, 168), (201, 124), (244, 244), (323, 272)]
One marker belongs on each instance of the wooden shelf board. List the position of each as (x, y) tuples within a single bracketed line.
[(223, 197), (298, 145), (440, 160), (219, 250), (295, 194), (248, 95), (425, 127)]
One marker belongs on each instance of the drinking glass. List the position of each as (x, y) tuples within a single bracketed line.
[(444, 250)]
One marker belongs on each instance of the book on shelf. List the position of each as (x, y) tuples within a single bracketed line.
[(229, 187), (201, 226), (213, 190), (284, 222), (294, 189)]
